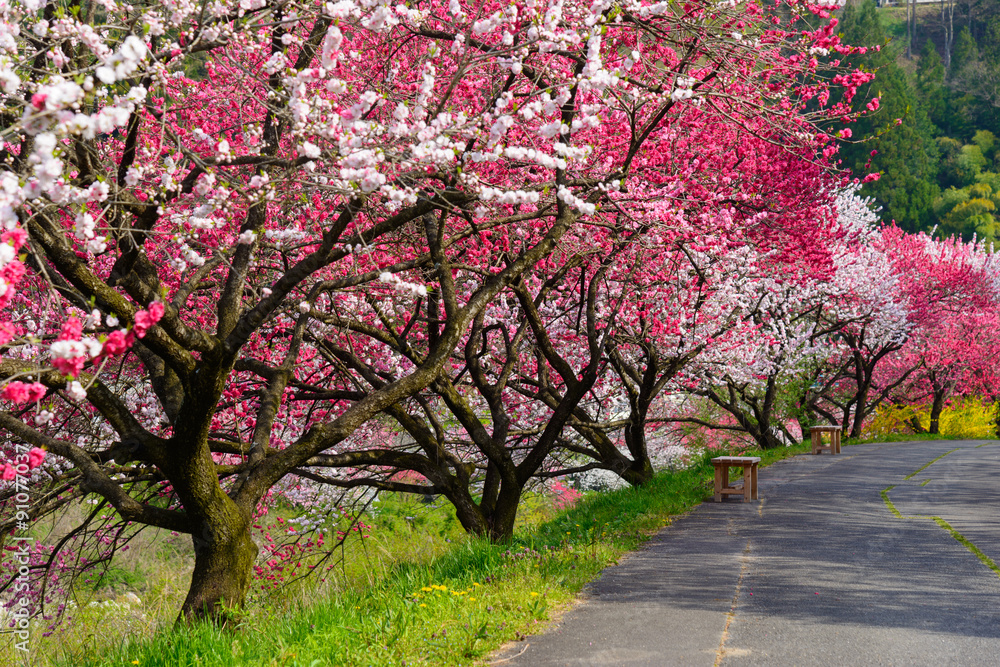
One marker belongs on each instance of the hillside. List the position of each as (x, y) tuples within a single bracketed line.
[(939, 75)]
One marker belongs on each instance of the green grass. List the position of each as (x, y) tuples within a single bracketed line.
[(967, 543), (888, 503), (453, 609)]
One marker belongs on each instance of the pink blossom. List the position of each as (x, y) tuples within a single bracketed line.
[(72, 329), (116, 343), (144, 319), (21, 392), (16, 237), (13, 272), (71, 366), (8, 472), (7, 332), (35, 457)]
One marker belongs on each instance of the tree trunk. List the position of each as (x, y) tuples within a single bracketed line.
[(501, 520), (767, 439), (224, 552), (948, 19), (469, 514), (863, 377), (911, 8), (494, 518), (937, 406), (223, 560), (640, 470), (639, 473), (858, 419)]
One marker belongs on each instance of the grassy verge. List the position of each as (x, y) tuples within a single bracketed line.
[(452, 601), (453, 609)]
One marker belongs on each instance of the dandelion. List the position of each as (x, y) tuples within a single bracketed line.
[(422, 604), (534, 594)]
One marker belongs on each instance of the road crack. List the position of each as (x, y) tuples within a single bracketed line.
[(947, 527), (720, 652)]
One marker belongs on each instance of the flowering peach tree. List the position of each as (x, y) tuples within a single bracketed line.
[(953, 344)]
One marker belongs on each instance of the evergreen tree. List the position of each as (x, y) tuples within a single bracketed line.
[(906, 155), (965, 53), (975, 79), (931, 84)]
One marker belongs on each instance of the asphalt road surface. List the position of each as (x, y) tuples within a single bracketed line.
[(869, 557)]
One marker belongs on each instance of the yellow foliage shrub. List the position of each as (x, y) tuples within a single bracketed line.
[(891, 419), (971, 418), (965, 418)]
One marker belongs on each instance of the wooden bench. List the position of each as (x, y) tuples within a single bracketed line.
[(749, 465), (816, 433)]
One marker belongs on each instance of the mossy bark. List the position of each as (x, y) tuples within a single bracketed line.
[(494, 516), (639, 473), (224, 558), (937, 407)]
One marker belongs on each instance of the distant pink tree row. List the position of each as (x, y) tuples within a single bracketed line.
[(900, 318), (954, 343)]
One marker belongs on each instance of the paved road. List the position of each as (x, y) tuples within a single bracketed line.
[(820, 571)]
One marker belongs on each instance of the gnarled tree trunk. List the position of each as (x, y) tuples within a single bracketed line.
[(937, 407), (224, 556)]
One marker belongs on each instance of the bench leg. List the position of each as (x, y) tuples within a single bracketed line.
[(835, 439), (718, 481), (753, 482), (817, 440), (747, 482)]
